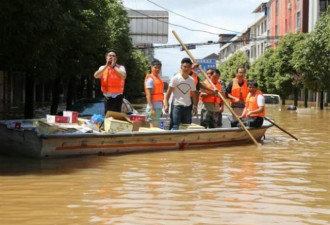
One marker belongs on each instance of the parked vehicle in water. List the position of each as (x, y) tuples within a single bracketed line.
[(87, 107), (273, 100)]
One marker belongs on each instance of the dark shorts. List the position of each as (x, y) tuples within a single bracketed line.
[(113, 104), (211, 119), (251, 122)]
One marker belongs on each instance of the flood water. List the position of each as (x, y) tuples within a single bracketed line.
[(282, 182)]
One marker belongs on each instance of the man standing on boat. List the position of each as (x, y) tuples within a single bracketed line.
[(154, 89), (112, 77), (237, 91), (181, 85), (212, 105), (254, 111)]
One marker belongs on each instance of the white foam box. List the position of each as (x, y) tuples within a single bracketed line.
[(73, 116), (112, 125), (149, 129), (190, 126)]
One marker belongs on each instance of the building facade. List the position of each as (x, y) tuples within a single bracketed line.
[(287, 16)]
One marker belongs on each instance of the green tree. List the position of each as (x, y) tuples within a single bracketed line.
[(228, 68), (261, 71), (137, 68), (312, 57), (287, 78)]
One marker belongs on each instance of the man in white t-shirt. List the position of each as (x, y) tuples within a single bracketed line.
[(181, 85)]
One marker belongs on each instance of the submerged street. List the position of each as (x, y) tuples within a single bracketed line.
[(283, 182)]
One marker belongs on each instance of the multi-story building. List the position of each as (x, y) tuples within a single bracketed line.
[(287, 16), (258, 33), (315, 8), (237, 43), (253, 41)]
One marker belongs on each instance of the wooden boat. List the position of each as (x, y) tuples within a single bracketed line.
[(28, 142)]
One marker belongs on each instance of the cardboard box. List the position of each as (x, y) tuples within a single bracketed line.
[(57, 119), (73, 116), (116, 126), (135, 117), (117, 116), (138, 124), (115, 122)]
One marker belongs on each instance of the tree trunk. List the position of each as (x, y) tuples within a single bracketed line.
[(295, 96), (29, 96), (321, 100), (56, 96), (283, 99), (306, 98), (89, 89), (70, 92)]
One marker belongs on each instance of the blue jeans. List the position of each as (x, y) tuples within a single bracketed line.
[(181, 114)]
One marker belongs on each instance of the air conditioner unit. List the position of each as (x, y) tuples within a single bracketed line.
[(289, 6)]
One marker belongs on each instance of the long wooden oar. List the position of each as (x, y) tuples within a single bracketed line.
[(282, 129), (208, 79)]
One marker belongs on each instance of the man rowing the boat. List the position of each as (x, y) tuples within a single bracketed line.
[(254, 111)]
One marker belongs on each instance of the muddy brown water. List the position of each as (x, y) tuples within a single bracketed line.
[(282, 182)]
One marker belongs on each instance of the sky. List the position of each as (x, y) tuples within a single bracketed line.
[(230, 15)]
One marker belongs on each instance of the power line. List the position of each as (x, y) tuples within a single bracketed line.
[(176, 25), (196, 21), (209, 43)]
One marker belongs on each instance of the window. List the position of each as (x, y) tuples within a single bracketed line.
[(324, 5), (298, 21)]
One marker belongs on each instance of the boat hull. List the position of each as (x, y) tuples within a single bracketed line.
[(30, 143)]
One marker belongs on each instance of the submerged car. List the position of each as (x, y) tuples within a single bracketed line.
[(87, 107), (273, 100)]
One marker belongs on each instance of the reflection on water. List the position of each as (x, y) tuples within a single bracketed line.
[(283, 182)]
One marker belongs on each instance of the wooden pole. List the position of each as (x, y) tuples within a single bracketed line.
[(208, 79), (282, 129)]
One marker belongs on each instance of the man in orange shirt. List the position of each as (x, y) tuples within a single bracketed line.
[(237, 91), (254, 111), (212, 104), (112, 77), (154, 89)]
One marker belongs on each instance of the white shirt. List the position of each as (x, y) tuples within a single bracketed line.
[(181, 89)]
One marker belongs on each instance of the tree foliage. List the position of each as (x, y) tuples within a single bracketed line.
[(312, 57), (63, 43), (228, 68)]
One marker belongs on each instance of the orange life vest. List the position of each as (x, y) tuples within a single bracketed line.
[(194, 75), (215, 99), (158, 90), (111, 82), (251, 104), (239, 92)]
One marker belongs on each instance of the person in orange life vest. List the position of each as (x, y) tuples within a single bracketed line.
[(221, 91), (254, 111), (112, 77), (154, 89), (237, 91), (212, 104)]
